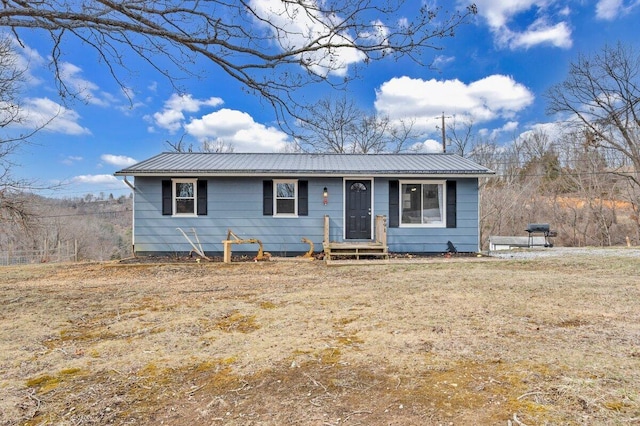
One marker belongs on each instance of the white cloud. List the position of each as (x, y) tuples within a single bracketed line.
[(50, 116), (609, 10), (379, 35), (128, 92), (238, 129), (498, 13), (172, 116), (129, 104), (109, 180), (442, 60), (543, 27), (430, 145), (552, 129), (96, 184), (27, 60), (540, 32), (187, 103), (500, 95), (508, 127), (71, 159), (85, 89), (235, 128), (169, 119), (493, 97), (118, 160), (296, 29)]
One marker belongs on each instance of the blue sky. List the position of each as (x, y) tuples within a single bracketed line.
[(494, 71)]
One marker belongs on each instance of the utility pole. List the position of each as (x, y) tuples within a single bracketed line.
[(444, 136), (444, 139)]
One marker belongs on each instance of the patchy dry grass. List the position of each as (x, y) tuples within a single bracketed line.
[(453, 341)]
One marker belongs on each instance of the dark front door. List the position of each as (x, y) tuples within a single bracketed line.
[(358, 209)]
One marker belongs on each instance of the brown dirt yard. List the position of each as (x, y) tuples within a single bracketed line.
[(459, 341)]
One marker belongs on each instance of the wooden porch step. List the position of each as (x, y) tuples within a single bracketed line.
[(355, 250), (376, 248)]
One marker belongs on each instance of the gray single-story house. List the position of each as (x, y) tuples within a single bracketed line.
[(426, 201)]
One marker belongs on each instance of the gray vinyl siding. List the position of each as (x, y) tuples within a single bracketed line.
[(236, 203)]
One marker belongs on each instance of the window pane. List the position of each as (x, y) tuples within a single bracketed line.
[(184, 190), (358, 187), (287, 206), (286, 190), (184, 206), (411, 207), (432, 203)]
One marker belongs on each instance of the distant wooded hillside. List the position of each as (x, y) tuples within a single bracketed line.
[(100, 227)]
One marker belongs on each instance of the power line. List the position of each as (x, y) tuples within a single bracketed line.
[(85, 214)]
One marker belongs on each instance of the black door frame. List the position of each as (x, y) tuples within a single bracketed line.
[(346, 197)]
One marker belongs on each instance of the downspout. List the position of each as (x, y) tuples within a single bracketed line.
[(479, 188), (133, 216), (479, 216), (129, 184)]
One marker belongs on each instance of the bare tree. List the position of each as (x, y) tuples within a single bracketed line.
[(461, 136), (370, 134), (401, 134), (271, 48), (206, 146), (539, 157), (218, 146), (11, 78), (601, 96), (601, 99), (328, 126), (179, 146), (590, 212), (339, 126), (13, 208)]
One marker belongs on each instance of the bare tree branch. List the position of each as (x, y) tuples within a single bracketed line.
[(14, 207), (339, 126), (272, 48), (602, 95)]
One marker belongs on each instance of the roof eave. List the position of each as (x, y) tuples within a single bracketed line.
[(303, 173)]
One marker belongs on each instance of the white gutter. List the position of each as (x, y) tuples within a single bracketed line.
[(303, 174), (129, 184), (133, 215)]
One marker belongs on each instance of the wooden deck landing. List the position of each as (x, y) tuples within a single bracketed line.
[(376, 249), (360, 250)]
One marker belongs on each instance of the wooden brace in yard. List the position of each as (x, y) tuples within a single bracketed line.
[(227, 246), (308, 254), (197, 249)]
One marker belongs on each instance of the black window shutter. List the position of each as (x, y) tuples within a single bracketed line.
[(451, 204), (202, 197), (267, 197), (394, 206), (167, 202), (303, 198)]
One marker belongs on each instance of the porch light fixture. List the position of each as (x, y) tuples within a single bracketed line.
[(325, 196)]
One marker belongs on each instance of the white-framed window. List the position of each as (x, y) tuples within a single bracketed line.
[(423, 203), (285, 197), (185, 195)]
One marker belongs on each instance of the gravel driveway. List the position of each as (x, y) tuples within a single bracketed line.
[(566, 251)]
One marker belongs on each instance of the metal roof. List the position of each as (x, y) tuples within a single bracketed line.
[(272, 164)]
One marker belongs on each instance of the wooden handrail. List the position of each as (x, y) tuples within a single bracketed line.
[(326, 230), (381, 230)]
